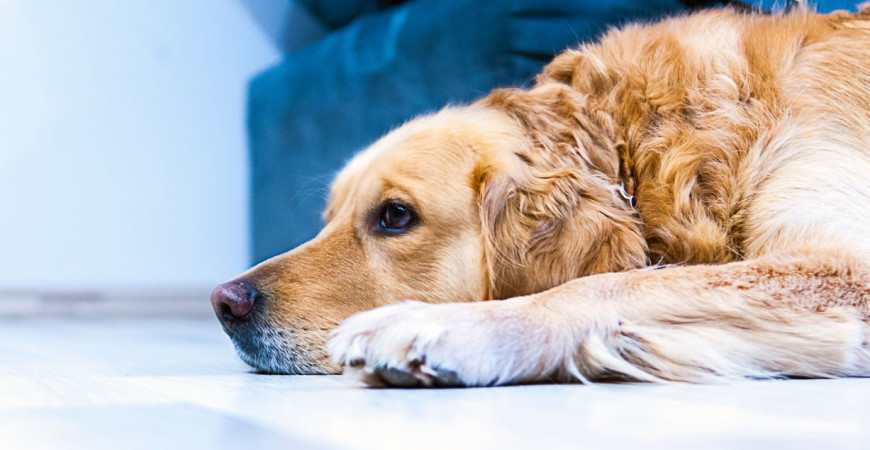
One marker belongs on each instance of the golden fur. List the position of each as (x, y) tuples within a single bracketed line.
[(687, 200)]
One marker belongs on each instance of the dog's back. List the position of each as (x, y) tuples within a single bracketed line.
[(743, 131)]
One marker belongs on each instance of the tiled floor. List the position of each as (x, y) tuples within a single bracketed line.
[(162, 384)]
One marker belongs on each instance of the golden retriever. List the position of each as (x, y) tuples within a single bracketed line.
[(687, 200)]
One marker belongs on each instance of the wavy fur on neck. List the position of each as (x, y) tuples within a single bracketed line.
[(557, 212)]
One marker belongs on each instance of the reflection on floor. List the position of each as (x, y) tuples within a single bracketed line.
[(164, 384)]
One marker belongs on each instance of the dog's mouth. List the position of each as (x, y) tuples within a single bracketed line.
[(274, 350)]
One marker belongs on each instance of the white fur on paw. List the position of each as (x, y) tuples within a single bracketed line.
[(414, 344)]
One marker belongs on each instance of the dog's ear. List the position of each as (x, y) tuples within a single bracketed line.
[(551, 211)]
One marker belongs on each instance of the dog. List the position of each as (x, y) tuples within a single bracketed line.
[(682, 201)]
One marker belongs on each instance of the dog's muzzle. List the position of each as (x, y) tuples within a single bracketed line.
[(241, 309)]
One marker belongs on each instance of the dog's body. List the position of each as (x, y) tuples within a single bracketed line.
[(744, 141)]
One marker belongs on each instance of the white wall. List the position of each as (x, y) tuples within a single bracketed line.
[(123, 157)]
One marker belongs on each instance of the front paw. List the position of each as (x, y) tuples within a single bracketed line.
[(400, 345), (414, 344)]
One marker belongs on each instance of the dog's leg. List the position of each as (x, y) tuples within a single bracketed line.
[(799, 314)]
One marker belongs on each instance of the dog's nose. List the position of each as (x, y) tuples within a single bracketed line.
[(233, 301)]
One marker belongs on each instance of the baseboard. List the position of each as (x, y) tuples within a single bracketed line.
[(168, 301)]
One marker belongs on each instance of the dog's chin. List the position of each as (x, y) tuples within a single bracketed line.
[(276, 351)]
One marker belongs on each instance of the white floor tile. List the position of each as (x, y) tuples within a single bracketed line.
[(83, 384)]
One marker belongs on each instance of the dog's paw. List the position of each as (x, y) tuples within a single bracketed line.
[(414, 344)]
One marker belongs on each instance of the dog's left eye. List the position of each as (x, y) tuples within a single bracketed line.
[(396, 218)]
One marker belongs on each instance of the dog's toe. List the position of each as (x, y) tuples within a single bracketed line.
[(447, 378), (415, 377), (398, 377)]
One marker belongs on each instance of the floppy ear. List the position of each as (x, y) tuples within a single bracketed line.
[(552, 211)]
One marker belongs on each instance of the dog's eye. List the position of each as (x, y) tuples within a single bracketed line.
[(396, 218)]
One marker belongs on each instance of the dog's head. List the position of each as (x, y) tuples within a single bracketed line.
[(512, 195)]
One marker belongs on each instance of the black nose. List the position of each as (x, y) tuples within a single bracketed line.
[(233, 301)]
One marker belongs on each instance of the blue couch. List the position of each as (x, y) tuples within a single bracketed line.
[(381, 62)]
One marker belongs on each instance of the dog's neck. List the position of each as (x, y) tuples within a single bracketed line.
[(665, 148), (569, 212)]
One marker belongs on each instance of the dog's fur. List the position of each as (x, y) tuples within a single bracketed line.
[(745, 141)]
